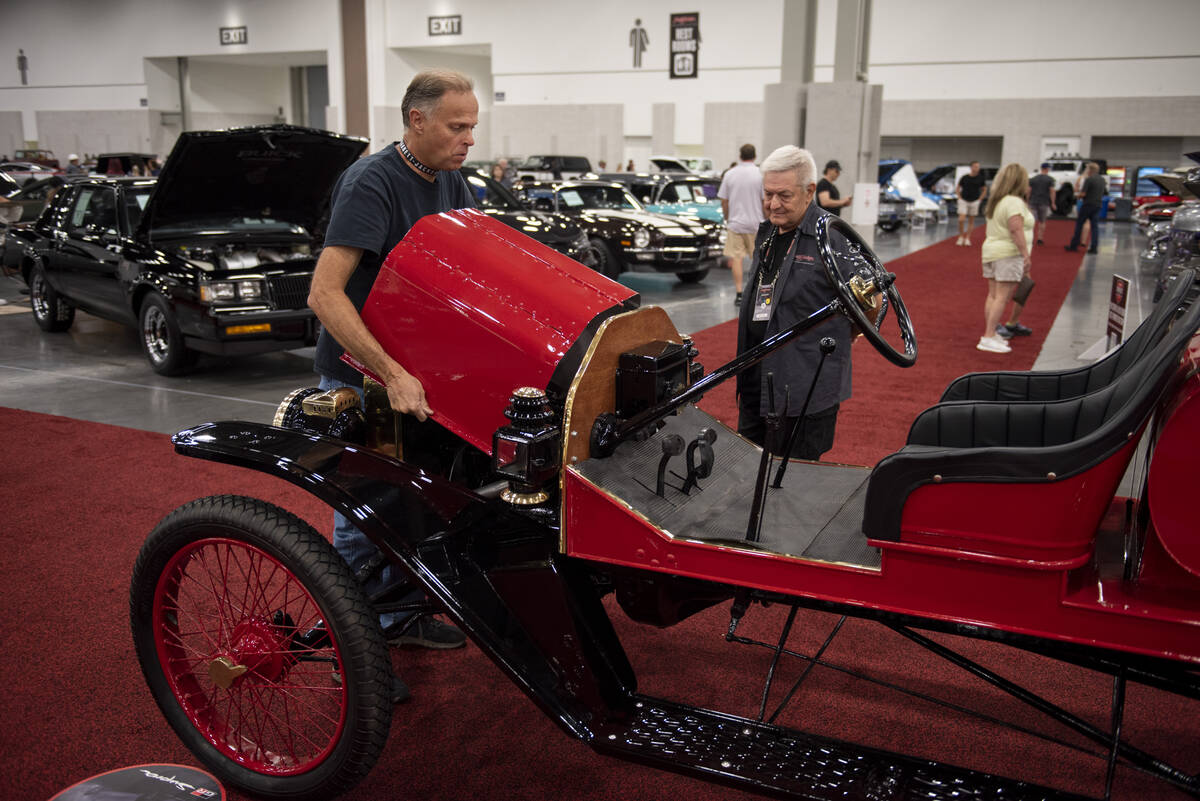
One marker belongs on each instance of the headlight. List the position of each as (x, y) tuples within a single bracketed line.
[(250, 290), (218, 290), (641, 238)]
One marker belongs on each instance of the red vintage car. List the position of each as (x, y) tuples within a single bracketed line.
[(568, 462)]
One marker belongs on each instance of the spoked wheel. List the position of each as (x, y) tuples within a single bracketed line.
[(260, 648), (865, 289)]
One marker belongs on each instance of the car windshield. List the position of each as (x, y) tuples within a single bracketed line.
[(491, 195), (534, 163), (691, 192), (596, 197), (137, 197)]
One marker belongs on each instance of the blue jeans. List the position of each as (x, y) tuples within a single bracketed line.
[(356, 549), (1087, 212)]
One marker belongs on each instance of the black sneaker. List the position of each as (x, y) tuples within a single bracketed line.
[(1018, 330), (426, 632), (1003, 332)]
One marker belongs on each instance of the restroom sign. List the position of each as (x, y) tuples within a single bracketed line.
[(685, 45), (445, 26)]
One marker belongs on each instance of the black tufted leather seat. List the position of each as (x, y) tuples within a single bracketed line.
[(1060, 384), (1027, 442)]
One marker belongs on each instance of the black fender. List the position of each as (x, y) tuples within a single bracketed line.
[(496, 573)]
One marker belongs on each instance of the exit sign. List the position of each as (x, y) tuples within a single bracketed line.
[(445, 26), (234, 36)]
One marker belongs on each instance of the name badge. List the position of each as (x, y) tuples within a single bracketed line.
[(762, 302)]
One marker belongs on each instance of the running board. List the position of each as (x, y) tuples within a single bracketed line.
[(754, 756)]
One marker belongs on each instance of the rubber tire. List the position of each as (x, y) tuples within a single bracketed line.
[(350, 621), (890, 225), (694, 277), (177, 358), (607, 263), (50, 311)]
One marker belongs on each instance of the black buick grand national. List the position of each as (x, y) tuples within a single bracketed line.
[(213, 257)]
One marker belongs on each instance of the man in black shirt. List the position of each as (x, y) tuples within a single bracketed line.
[(1094, 189), (971, 192), (828, 196), (375, 203), (786, 283)]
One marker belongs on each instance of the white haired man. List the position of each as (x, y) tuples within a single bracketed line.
[(786, 283), (374, 204)]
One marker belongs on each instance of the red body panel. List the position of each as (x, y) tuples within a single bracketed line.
[(1173, 472), (493, 304)]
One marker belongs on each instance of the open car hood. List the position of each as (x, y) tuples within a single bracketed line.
[(1171, 184), (281, 172), (929, 179)]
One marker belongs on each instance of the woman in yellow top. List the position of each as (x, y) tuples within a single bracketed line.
[(1006, 254)]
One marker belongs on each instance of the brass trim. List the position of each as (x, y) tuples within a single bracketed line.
[(281, 410), (332, 403), (224, 673), (866, 293), (528, 392), (524, 498)]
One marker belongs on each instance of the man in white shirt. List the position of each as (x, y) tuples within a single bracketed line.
[(741, 195)]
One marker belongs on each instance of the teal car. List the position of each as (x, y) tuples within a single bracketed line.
[(676, 194)]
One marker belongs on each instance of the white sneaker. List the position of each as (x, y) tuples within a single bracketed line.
[(993, 345), (966, 241), (958, 241)]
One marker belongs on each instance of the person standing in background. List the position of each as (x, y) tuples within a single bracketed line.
[(1007, 252), (1041, 199), (741, 195), (828, 196), (1093, 190), (971, 192)]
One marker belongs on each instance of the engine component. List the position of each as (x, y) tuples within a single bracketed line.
[(528, 451)]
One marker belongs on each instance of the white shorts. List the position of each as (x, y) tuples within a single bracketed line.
[(969, 208), (1010, 269)]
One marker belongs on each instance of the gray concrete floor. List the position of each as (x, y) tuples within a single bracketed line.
[(96, 371)]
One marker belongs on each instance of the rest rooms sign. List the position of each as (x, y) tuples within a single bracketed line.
[(445, 26), (234, 36), (685, 45)]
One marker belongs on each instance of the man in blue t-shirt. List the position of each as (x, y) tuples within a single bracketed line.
[(375, 203)]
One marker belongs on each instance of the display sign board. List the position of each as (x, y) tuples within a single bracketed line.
[(158, 782), (864, 208), (234, 36), (450, 25), (1118, 299), (685, 45)]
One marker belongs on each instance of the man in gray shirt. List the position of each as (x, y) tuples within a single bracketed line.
[(1041, 199), (1094, 189), (741, 195)]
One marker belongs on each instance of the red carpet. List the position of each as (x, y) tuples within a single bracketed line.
[(80, 497), (943, 289)]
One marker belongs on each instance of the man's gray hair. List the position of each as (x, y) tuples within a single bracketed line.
[(790, 157), (427, 88)]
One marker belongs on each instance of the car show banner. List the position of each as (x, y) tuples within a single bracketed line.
[(685, 45)]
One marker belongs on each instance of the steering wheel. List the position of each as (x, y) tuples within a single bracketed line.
[(864, 286)]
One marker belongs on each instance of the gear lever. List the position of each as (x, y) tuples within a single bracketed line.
[(703, 442), (672, 445)]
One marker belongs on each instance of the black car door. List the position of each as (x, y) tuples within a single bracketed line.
[(88, 253)]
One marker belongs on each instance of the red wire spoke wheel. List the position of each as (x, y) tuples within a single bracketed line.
[(260, 648)]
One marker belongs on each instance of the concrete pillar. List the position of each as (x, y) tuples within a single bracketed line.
[(842, 122), (852, 43), (783, 102), (354, 65), (662, 128)]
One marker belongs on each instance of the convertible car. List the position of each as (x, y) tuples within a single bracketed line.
[(567, 462), (215, 256)]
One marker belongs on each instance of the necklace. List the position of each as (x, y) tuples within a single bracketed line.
[(413, 160)]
